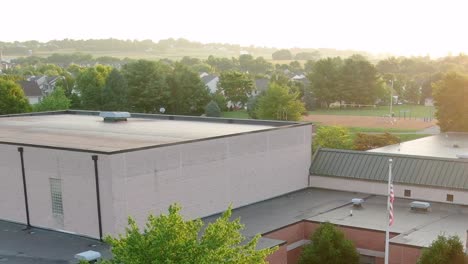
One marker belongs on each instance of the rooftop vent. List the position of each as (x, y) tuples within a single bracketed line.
[(357, 202), (462, 156), (89, 256), (114, 116), (420, 206)]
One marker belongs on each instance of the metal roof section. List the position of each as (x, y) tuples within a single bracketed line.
[(407, 169)]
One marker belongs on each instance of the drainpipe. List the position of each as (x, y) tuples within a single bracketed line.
[(98, 198), (25, 190)]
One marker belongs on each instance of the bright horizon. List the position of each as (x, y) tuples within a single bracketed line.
[(400, 27)]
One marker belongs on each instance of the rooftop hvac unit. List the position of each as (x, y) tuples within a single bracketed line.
[(357, 202), (114, 116), (89, 256), (420, 206)]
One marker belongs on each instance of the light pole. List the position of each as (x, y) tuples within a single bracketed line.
[(391, 99)]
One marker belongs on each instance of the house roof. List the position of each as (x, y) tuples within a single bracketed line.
[(31, 88), (406, 169), (208, 78)]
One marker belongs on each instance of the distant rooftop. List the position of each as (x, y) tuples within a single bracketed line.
[(86, 131), (444, 145)]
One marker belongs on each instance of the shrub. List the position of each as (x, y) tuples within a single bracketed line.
[(212, 109), (371, 141)]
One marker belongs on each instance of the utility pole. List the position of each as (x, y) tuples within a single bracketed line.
[(391, 100)]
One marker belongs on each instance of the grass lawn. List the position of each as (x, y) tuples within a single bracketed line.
[(379, 130), (416, 111)]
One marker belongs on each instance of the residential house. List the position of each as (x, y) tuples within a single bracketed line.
[(32, 91), (211, 82)]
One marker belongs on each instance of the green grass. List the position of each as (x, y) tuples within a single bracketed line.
[(379, 130), (241, 114), (416, 111)]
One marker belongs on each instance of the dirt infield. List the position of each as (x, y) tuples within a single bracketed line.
[(369, 121)]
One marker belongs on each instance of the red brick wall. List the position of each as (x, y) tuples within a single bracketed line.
[(279, 257), (362, 238), (290, 234), (293, 255), (401, 254)]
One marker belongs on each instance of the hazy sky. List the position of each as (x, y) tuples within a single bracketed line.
[(407, 27)]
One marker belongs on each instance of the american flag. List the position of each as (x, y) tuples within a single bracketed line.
[(390, 206)]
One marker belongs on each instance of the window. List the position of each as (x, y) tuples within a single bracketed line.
[(449, 197), (56, 194), (407, 193)]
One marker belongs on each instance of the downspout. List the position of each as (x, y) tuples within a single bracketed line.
[(98, 198), (25, 190)]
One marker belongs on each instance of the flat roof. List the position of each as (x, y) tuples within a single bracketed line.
[(83, 130), (444, 145), (39, 246), (321, 205)]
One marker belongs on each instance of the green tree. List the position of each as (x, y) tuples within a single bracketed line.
[(236, 86), (325, 81), (12, 98), (451, 97), (329, 246), (282, 54), (90, 84), (332, 137), (220, 100), (212, 109), (57, 100), (252, 106), (443, 250), (147, 85), (188, 94), (171, 239), (359, 82), (115, 92), (279, 104)]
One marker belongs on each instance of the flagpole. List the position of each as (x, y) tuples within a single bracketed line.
[(387, 233)]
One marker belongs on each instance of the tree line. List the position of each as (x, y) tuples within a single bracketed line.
[(354, 80)]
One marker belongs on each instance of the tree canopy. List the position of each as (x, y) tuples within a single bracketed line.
[(115, 92), (188, 94), (329, 245), (90, 84), (57, 100), (279, 104), (282, 54), (444, 250), (451, 97), (148, 88), (12, 98), (171, 239), (236, 86)]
